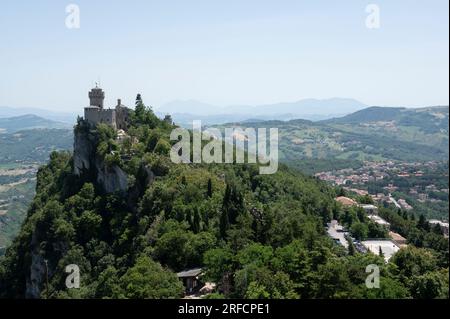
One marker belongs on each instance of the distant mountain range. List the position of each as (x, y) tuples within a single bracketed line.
[(184, 112), (28, 122), (69, 117), (185, 119), (306, 106)]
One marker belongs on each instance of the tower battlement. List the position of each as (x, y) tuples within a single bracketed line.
[(96, 97)]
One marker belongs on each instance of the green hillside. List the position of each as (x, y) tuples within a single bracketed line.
[(33, 146), (256, 236), (424, 126), (372, 134), (20, 154), (28, 122), (15, 200), (428, 119)]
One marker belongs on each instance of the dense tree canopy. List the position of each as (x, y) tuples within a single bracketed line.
[(256, 236)]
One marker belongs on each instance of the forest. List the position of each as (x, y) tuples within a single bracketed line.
[(256, 236)]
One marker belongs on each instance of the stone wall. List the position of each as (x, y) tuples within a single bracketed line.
[(95, 115)]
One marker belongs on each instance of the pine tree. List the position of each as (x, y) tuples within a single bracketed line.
[(210, 191), (341, 192), (139, 109), (232, 206), (437, 229), (196, 221), (138, 100), (189, 218), (224, 224), (422, 223), (405, 215)]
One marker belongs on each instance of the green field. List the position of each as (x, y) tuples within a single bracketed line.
[(16, 210), (20, 150)]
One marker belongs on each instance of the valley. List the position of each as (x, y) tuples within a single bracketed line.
[(21, 154), (419, 188), (375, 151), (332, 150), (349, 141), (231, 153), (17, 183), (121, 205)]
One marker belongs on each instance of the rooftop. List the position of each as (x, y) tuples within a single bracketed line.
[(345, 201), (377, 219), (397, 237), (435, 221), (388, 247), (368, 206), (189, 273)]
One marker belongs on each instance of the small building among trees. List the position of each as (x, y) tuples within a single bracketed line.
[(191, 279)]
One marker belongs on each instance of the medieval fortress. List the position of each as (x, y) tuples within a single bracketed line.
[(95, 113)]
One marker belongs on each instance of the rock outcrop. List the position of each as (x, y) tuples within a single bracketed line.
[(112, 179), (37, 271), (109, 179), (83, 150), (86, 160)]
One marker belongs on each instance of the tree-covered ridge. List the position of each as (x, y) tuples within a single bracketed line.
[(372, 134), (29, 122), (427, 119), (256, 236)]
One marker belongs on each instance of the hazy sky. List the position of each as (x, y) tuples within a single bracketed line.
[(224, 52)]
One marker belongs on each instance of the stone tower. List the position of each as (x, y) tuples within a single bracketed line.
[(96, 97), (118, 118)]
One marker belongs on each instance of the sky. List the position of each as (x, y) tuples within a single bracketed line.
[(223, 52)]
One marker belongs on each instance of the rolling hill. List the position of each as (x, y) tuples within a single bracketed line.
[(28, 122), (374, 134), (131, 222), (21, 153), (428, 120), (66, 117), (33, 146)]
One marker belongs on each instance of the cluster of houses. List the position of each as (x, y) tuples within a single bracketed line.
[(376, 171), (354, 180), (388, 246)]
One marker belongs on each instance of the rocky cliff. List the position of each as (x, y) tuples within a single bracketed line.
[(91, 167), (86, 160)]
